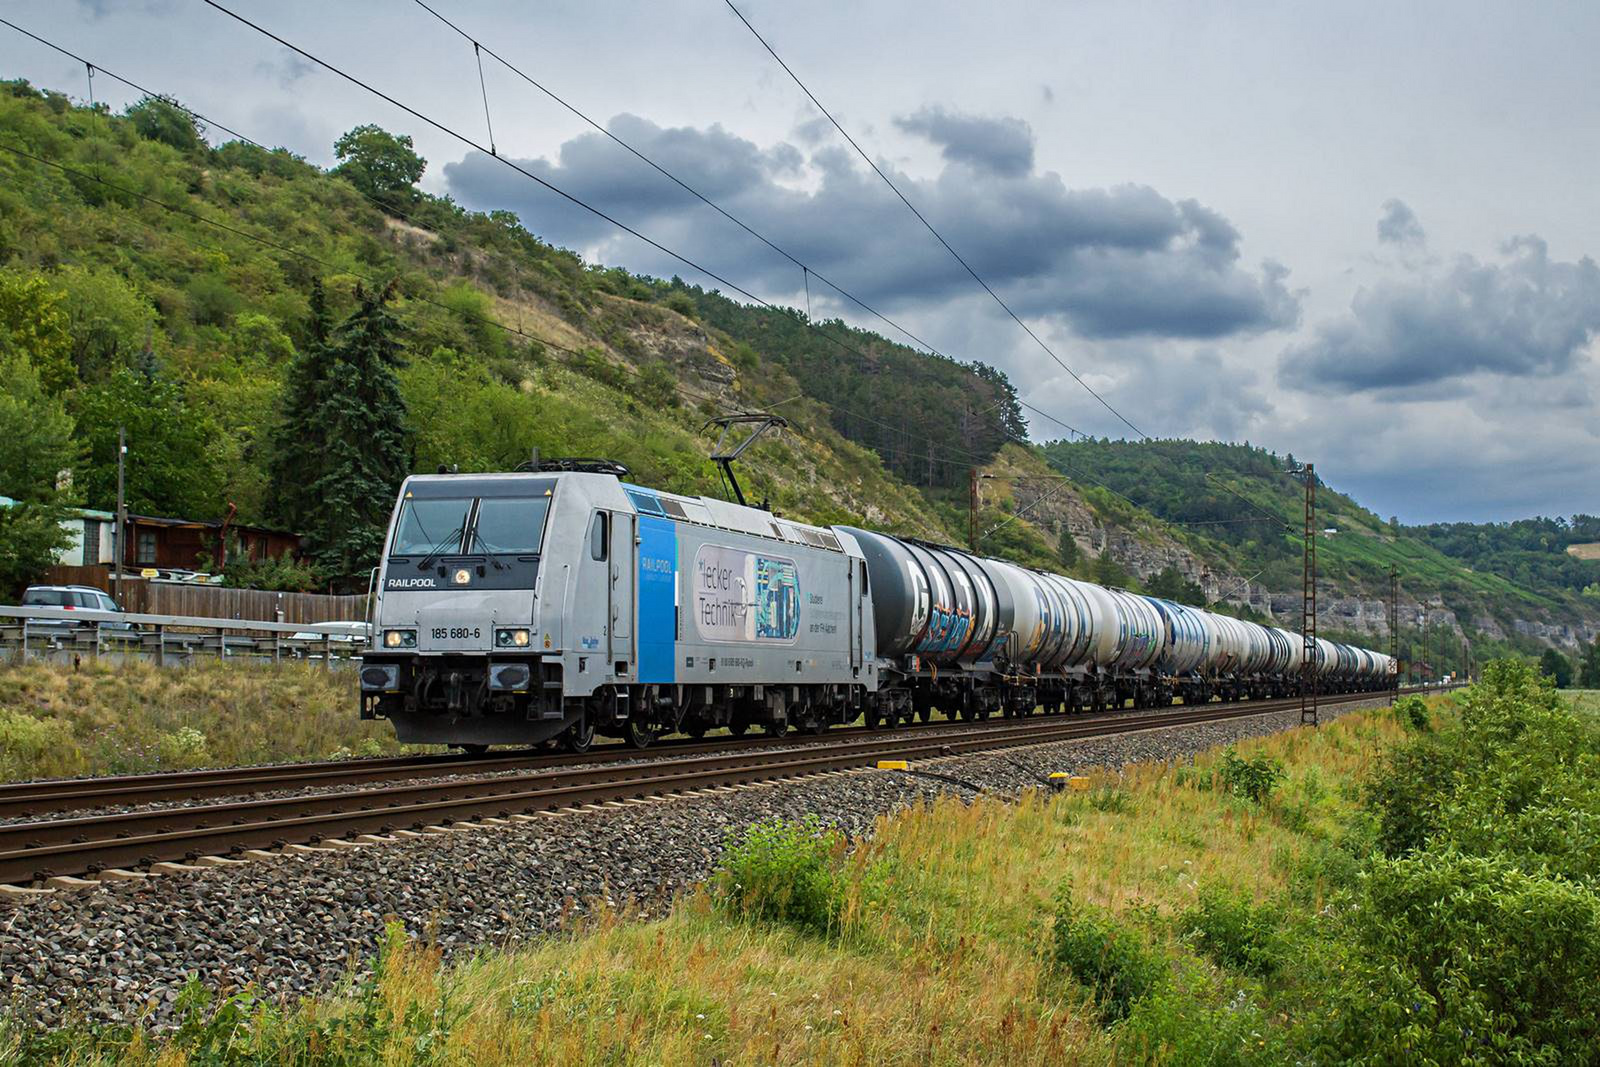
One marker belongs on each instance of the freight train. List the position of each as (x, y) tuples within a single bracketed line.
[(555, 604)]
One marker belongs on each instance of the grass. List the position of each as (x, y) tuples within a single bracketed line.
[(133, 718), (937, 951)]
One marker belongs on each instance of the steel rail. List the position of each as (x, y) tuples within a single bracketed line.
[(21, 799), (29, 851)]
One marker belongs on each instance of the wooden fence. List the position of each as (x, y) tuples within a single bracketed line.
[(215, 601)]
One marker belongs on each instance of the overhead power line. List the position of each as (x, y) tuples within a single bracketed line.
[(929, 226), (945, 451)]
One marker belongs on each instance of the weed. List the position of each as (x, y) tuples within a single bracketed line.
[(1111, 960), (1253, 779), (778, 871), (1237, 933)]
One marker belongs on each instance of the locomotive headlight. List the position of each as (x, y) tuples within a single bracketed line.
[(462, 576), (399, 639), (512, 638)]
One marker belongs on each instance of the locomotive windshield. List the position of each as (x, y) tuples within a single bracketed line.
[(426, 525), (507, 525), (490, 525)]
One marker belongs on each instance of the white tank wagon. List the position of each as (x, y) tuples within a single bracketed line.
[(562, 602)]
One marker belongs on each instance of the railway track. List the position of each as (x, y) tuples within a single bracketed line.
[(24, 799), (35, 850)]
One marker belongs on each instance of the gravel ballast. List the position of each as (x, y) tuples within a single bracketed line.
[(295, 924)]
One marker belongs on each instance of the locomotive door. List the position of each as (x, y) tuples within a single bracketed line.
[(622, 591), (858, 595)]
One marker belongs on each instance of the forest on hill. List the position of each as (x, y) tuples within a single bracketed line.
[(207, 298)]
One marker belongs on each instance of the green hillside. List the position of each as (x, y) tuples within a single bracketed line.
[(153, 281)]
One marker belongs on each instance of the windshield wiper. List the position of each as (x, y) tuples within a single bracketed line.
[(439, 548)]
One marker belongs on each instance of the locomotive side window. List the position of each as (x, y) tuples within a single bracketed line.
[(598, 535)]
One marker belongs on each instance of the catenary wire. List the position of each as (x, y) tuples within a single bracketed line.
[(929, 226), (517, 330)]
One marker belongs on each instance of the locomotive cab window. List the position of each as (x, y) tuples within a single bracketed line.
[(509, 525), (430, 526), (598, 535)]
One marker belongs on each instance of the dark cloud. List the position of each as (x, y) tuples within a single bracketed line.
[(1003, 145), (1117, 262), (1527, 315), (1398, 225)]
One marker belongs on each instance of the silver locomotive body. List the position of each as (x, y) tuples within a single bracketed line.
[(513, 608)]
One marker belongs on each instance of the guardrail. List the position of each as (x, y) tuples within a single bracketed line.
[(66, 635)]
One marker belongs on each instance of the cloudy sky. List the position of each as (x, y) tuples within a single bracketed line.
[(1362, 233)]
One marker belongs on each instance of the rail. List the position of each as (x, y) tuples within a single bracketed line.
[(67, 634), (397, 798)]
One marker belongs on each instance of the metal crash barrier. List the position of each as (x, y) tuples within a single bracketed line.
[(67, 635)]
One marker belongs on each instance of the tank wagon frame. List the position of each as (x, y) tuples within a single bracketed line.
[(523, 607)]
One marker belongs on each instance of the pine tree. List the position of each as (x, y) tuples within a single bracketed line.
[(349, 450), (297, 441)]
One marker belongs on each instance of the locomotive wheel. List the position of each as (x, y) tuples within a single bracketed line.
[(473, 750), (737, 727), (925, 713), (871, 718), (639, 734), (696, 731), (776, 729), (580, 735)]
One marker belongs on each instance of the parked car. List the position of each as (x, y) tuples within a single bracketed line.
[(71, 598)]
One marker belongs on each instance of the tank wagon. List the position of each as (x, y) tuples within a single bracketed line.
[(559, 603)]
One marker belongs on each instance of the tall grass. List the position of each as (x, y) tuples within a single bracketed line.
[(940, 938), (108, 719)]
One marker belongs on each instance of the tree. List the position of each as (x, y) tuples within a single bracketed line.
[(160, 118), (36, 446), (380, 164), (1591, 665), (297, 440), (1067, 550), (173, 467), (1170, 583), (32, 323), (1556, 667), (359, 456)]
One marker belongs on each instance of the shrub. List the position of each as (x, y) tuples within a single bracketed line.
[(1179, 1025), (1468, 959), (30, 746), (682, 303), (777, 871), (1111, 960), (1254, 778), (1237, 933), (1412, 711)]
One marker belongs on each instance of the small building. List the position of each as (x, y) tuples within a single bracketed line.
[(187, 546)]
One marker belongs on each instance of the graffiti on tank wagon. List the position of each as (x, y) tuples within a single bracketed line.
[(745, 596)]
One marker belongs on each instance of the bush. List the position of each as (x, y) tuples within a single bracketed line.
[(1237, 933), (1468, 959), (1179, 1025), (777, 871), (682, 303), (1254, 778), (31, 746), (1110, 960), (1412, 712)]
